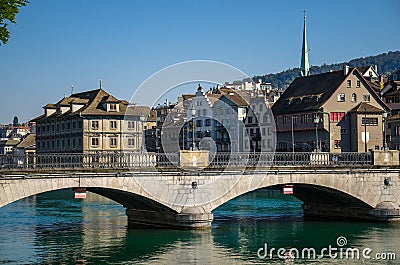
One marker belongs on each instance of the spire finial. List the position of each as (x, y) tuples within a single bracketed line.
[(305, 66), (101, 81), (72, 89), (304, 11)]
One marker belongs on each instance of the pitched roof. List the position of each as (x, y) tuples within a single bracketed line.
[(187, 96), (29, 141), (363, 69), (9, 142), (94, 101), (232, 95), (308, 92), (237, 99), (364, 107)]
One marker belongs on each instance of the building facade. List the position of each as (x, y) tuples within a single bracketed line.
[(219, 115), (336, 111), (91, 121)]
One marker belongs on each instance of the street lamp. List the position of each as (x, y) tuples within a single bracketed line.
[(316, 121), (142, 120), (365, 129), (292, 135), (193, 112), (384, 116), (184, 133)]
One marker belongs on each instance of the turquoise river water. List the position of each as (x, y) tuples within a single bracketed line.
[(55, 228)]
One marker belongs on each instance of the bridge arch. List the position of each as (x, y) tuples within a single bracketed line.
[(115, 189), (330, 194)]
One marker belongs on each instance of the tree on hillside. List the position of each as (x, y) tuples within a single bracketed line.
[(8, 12), (15, 121)]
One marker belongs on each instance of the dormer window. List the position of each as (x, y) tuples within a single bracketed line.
[(113, 107)]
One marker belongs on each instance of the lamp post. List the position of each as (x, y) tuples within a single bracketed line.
[(292, 136), (384, 116), (184, 133), (316, 121), (193, 112), (142, 120), (365, 129)]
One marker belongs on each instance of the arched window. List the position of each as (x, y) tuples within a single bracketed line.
[(353, 97)]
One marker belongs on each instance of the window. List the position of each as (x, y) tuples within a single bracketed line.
[(113, 107), (337, 144), (306, 118), (348, 83), (262, 131), (131, 141), (369, 121), (285, 119), (198, 123), (208, 122), (366, 98), (341, 97), (113, 124), (250, 119), (337, 116), (204, 112), (95, 141), (68, 126), (95, 125), (113, 142), (358, 83), (353, 97), (131, 125), (343, 131), (62, 127), (52, 128), (73, 125), (295, 120)]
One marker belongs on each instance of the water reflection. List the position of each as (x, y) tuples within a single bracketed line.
[(54, 228)]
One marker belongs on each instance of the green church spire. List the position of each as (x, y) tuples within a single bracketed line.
[(305, 66)]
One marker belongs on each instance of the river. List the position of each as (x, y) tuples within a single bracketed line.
[(55, 228)]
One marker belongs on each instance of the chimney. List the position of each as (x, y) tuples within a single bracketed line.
[(376, 68), (345, 69)]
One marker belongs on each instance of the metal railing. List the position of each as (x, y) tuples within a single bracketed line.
[(143, 161)]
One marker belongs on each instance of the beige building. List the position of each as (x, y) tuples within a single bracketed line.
[(335, 111), (91, 121)]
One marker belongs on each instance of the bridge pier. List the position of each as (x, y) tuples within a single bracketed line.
[(189, 218)]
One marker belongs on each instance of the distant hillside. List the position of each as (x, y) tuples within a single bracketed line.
[(386, 62)]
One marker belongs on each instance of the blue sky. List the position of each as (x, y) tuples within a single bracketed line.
[(56, 44)]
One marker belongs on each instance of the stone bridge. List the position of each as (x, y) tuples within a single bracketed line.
[(186, 199)]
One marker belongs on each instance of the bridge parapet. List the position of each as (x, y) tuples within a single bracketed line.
[(385, 157), (143, 161)]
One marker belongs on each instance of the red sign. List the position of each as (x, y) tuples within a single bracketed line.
[(288, 189), (80, 193)]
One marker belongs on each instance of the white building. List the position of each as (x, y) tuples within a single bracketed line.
[(219, 115)]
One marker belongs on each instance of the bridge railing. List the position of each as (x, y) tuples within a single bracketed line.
[(290, 159), (135, 160)]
